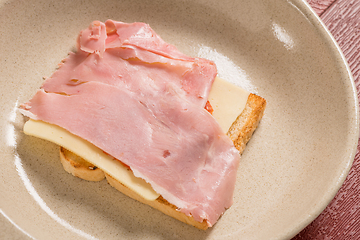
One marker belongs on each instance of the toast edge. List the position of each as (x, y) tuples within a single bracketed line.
[(160, 204), (246, 123), (240, 133)]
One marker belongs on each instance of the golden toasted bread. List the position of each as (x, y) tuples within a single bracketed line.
[(78, 167), (245, 124), (240, 133)]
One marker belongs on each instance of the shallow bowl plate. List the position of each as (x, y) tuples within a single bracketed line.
[(292, 168)]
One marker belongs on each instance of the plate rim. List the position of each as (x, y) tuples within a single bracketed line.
[(305, 7), (311, 15)]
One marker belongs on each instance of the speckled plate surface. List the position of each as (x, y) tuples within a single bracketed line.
[(291, 169)]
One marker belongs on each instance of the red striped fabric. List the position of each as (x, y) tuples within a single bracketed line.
[(320, 6)]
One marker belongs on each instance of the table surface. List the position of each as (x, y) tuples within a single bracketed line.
[(341, 218)]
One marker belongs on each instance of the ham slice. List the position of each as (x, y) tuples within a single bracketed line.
[(142, 101), (139, 54)]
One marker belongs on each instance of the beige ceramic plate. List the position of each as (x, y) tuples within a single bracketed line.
[(291, 169)]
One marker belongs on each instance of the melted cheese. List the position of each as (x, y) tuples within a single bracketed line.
[(92, 154), (227, 100)]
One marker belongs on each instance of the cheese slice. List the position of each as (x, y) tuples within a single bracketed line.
[(227, 100), (92, 154)]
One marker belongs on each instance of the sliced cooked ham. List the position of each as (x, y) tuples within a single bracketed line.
[(139, 54), (142, 101)]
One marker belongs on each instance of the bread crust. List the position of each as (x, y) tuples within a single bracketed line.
[(245, 124), (240, 133), (160, 204), (79, 167)]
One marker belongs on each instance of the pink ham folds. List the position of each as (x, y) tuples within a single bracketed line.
[(142, 101)]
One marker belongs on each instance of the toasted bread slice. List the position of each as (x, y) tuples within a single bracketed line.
[(240, 133), (160, 204), (78, 167), (244, 126)]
